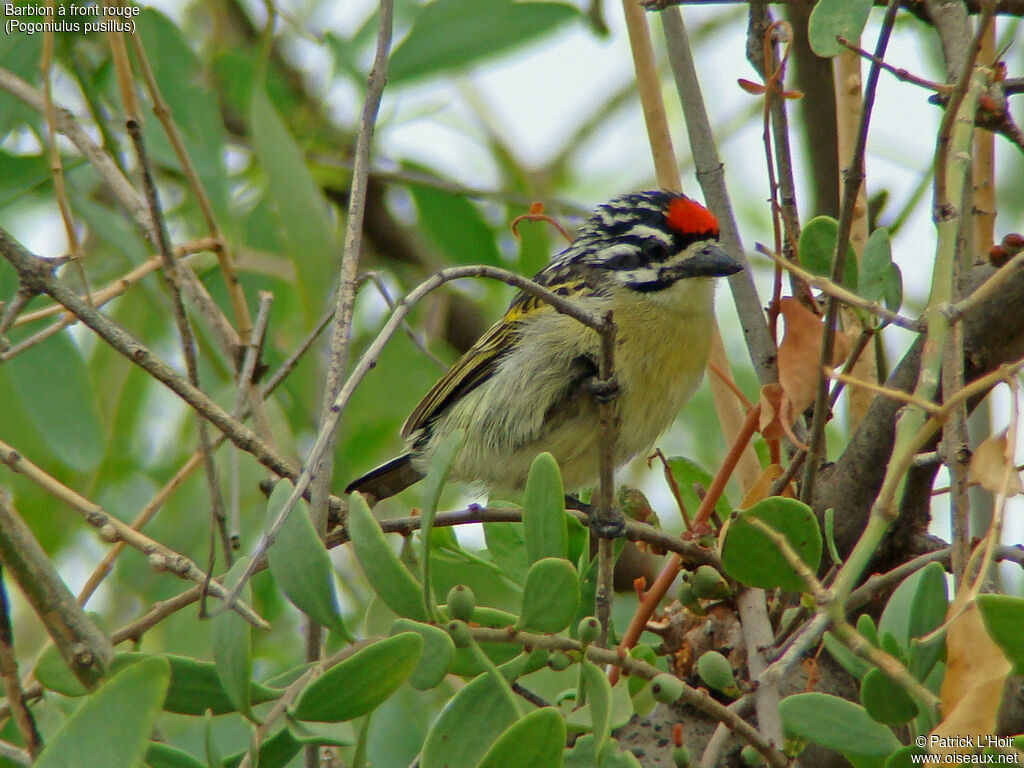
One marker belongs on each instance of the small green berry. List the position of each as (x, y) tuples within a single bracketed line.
[(461, 636), (709, 584), (716, 672), (681, 756), (751, 756), (666, 688), (589, 630), (559, 661), (461, 602)]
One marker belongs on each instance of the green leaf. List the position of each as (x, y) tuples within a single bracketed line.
[(836, 18), (437, 657), (183, 84), (367, 678), (113, 725), (544, 528), (835, 723), (468, 725), (53, 385), (21, 55), (455, 225), (916, 607), (535, 741), (165, 756), (894, 288), (599, 700), (688, 473), (195, 685), (885, 700), (846, 658), (381, 566), (1003, 616), (232, 646), (927, 613), (550, 596), (507, 548), (440, 466), (866, 626), (874, 265), (298, 201), (300, 564), (214, 757), (449, 35), (750, 557), (339, 734), (817, 246), (275, 752)]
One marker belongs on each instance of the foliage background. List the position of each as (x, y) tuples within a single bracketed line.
[(549, 115)]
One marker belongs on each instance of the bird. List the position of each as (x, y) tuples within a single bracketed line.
[(530, 383)]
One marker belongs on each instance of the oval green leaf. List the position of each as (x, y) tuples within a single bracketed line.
[(836, 18), (817, 246), (550, 596), (360, 683), (379, 563), (751, 557), (454, 224), (1003, 616), (544, 528), (885, 700), (599, 700), (535, 741), (300, 564), (113, 725), (846, 658), (467, 727), (437, 657), (874, 265), (230, 636), (835, 723), (440, 466)]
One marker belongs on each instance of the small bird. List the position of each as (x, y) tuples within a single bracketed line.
[(528, 384)]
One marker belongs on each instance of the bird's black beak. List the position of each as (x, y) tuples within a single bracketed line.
[(710, 261)]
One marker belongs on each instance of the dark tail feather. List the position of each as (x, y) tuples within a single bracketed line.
[(388, 479)]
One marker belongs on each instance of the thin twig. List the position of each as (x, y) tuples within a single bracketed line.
[(853, 177), (82, 645), (836, 291), (35, 273), (161, 557)]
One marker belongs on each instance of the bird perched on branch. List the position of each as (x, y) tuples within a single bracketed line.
[(528, 384)]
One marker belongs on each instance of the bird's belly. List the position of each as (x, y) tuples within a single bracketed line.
[(658, 367)]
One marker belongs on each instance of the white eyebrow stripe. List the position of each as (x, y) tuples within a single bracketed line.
[(644, 275), (646, 231)]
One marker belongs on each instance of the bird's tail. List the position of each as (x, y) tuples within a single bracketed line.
[(388, 479)]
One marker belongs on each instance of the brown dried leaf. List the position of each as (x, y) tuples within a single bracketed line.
[(763, 485), (990, 463), (770, 401), (799, 353), (976, 672)]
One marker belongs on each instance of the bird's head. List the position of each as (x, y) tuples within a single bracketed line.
[(648, 241)]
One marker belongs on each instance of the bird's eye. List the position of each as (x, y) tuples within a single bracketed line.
[(653, 251), (630, 259)]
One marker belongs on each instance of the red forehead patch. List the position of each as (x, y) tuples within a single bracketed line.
[(688, 217)]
